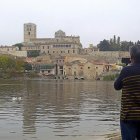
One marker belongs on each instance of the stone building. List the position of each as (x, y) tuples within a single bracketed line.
[(59, 65), (59, 45), (12, 50), (77, 70), (9, 49), (101, 68), (73, 59), (67, 69), (29, 32), (89, 70), (45, 68), (90, 49)]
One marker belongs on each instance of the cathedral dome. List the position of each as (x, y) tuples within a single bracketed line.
[(60, 33)]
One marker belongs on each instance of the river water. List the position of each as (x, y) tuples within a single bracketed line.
[(57, 109)]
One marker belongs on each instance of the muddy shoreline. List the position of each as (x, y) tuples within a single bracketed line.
[(113, 136)]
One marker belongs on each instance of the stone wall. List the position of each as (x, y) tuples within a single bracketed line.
[(70, 59), (107, 56), (14, 53), (77, 69), (111, 53), (20, 53), (102, 56), (89, 71), (43, 58)]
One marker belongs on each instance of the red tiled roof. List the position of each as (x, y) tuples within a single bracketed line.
[(45, 63), (28, 59), (101, 63), (80, 64), (68, 64), (106, 64)]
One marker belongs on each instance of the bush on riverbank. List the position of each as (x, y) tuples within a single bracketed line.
[(32, 74), (14, 67), (111, 77), (8, 74)]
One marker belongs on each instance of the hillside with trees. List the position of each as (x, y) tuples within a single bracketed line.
[(114, 44)]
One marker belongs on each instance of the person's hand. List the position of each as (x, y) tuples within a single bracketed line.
[(129, 64)]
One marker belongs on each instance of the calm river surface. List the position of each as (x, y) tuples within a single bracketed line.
[(57, 109)]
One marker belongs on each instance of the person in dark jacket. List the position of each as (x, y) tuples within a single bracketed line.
[(129, 82)]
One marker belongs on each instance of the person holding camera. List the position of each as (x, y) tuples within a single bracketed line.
[(129, 82)]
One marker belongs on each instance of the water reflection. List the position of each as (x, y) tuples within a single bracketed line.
[(58, 109)]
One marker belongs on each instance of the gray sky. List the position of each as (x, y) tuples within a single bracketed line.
[(92, 20)]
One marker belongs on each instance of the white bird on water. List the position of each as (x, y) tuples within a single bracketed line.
[(16, 98)]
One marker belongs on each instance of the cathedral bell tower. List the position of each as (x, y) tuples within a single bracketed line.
[(29, 31)]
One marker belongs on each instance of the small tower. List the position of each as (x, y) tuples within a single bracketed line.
[(29, 31), (60, 33)]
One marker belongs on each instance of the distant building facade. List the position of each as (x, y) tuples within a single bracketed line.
[(59, 45), (88, 70), (59, 65), (12, 50), (45, 68)]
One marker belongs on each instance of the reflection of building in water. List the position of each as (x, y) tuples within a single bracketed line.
[(55, 98), (60, 103), (30, 101), (29, 115)]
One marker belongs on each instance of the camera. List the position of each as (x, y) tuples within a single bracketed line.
[(126, 60)]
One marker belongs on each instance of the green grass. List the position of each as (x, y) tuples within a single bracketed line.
[(110, 77)]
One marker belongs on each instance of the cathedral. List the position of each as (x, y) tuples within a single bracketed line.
[(59, 45)]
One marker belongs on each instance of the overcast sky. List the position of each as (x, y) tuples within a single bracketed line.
[(92, 20)]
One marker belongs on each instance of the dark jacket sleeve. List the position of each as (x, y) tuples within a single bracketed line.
[(118, 84)]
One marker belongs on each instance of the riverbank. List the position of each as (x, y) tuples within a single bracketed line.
[(113, 136)]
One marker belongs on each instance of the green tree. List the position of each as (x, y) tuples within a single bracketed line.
[(114, 39), (6, 62), (19, 65), (125, 46), (19, 45), (114, 44), (104, 45), (111, 41), (138, 42), (11, 63), (33, 54), (118, 43), (27, 66)]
